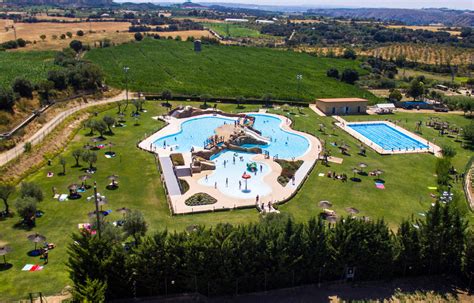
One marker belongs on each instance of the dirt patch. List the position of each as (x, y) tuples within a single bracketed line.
[(33, 31), (185, 34)]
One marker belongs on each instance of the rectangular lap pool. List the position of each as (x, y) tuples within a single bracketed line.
[(387, 137)]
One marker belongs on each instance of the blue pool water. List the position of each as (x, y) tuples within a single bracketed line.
[(232, 173), (194, 133), (387, 137)]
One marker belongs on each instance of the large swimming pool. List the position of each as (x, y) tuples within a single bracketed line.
[(228, 177), (387, 137), (194, 132)]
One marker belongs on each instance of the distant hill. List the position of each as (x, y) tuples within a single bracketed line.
[(407, 16), (60, 2)]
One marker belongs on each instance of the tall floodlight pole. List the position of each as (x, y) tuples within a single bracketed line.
[(299, 77), (96, 200), (125, 70)]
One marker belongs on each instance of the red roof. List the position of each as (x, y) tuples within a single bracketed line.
[(335, 100)]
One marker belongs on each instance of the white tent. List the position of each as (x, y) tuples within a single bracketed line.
[(384, 108)]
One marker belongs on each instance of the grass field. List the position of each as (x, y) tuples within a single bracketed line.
[(32, 65), (406, 178), (221, 71), (233, 30)]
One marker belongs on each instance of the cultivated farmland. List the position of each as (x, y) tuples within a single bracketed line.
[(233, 30), (32, 65), (156, 65)]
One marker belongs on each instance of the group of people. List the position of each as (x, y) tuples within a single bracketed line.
[(335, 176)]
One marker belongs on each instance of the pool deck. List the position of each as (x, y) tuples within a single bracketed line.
[(432, 148), (224, 202)]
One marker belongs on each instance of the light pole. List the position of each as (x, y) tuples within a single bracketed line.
[(97, 208), (125, 70)]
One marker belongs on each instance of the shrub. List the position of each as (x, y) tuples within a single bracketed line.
[(80, 33), (350, 76), (26, 208), (23, 87), (184, 186), (177, 159), (32, 190), (7, 98), (200, 199), (76, 45), (21, 42), (333, 73), (27, 147), (289, 169), (138, 36)]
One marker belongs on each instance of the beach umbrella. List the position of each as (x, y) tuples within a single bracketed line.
[(246, 176), (378, 172), (325, 204), (84, 178), (88, 146), (113, 178), (362, 165), (36, 238), (73, 187), (355, 171), (352, 210), (331, 219), (3, 251)]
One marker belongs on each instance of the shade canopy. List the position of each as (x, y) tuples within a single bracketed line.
[(36, 238), (246, 176)]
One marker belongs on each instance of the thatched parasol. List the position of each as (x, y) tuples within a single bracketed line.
[(36, 238), (4, 251), (325, 204), (352, 210)]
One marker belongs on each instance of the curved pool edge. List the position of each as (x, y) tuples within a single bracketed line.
[(279, 193)]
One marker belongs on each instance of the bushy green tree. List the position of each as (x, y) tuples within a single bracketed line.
[(89, 157), (76, 45), (109, 121), (77, 154), (350, 76), (26, 208), (91, 291), (135, 225), (416, 89), (333, 73), (349, 53), (395, 95), (7, 98), (32, 190), (23, 87), (5, 191), (101, 127), (138, 36)]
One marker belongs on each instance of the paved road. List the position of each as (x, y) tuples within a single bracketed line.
[(48, 127)]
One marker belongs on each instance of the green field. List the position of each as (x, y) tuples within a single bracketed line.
[(222, 71), (31, 65), (407, 178), (234, 30)]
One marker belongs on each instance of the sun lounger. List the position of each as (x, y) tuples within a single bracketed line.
[(62, 198)]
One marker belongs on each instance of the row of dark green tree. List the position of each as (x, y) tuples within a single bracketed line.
[(273, 253), (69, 73)]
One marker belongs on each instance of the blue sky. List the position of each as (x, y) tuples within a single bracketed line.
[(457, 4)]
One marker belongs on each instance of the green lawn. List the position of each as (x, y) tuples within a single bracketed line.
[(222, 71), (31, 65), (234, 30), (406, 193)]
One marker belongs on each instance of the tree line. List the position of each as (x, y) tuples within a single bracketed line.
[(69, 74), (273, 253)]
